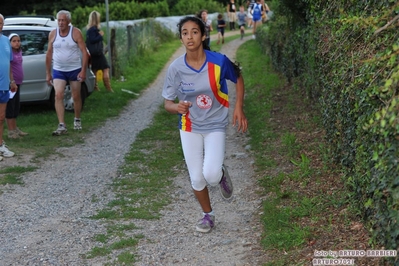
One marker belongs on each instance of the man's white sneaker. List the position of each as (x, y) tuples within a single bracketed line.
[(4, 151), (60, 130), (77, 124)]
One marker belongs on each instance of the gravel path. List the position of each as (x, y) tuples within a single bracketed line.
[(44, 221)]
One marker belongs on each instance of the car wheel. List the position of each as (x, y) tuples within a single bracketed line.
[(68, 100)]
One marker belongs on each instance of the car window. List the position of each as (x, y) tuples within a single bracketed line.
[(33, 42)]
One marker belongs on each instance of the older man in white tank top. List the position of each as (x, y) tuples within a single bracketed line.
[(66, 60)]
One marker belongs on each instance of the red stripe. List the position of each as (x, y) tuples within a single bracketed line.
[(214, 84)]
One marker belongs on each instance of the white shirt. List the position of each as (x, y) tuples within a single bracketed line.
[(66, 52)]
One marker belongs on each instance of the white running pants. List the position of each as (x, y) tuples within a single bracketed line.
[(204, 155)]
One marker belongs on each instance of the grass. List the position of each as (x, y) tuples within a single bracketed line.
[(12, 175), (306, 205)]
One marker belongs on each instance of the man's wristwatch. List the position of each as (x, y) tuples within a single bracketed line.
[(12, 81)]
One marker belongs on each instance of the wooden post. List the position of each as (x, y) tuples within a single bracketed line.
[(112, 50), (129, 38)]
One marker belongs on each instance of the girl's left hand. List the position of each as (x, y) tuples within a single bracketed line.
[(13, 87), (240, 120)]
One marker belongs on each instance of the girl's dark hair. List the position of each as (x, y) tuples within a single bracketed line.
[(201, 26)]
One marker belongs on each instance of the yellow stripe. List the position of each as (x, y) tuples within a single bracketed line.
[(217, 80)]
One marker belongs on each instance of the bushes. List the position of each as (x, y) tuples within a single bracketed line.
[(332, 51), (194, 6), (121, 11), (133, 10)]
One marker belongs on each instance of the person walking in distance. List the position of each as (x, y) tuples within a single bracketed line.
[(266, 10), (250, 3), (221, 25), (203, 14), (7, 83), (13, 104), (198, 80), (231, 13), (242, 19), (257, 11), (68, 54), (98, 61)]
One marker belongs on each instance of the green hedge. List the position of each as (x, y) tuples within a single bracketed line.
[(133, 10), (343, 56)]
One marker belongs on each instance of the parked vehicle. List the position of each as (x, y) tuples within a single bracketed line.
[(34, 42), (46, 21)]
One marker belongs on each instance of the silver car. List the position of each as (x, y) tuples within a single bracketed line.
[(34, 42)]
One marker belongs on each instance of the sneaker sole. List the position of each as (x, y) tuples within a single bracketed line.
[(230, 185), (226, 198), (203, 230), (59, 133), (7, 155)]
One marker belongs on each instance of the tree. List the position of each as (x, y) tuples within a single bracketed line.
[(50, 7)]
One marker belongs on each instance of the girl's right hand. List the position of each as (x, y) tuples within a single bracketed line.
[(183, 106)]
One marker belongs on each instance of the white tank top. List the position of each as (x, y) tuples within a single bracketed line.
[(66, 52)]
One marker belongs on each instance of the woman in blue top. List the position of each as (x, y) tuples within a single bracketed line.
[(198, 80), (98, 62)]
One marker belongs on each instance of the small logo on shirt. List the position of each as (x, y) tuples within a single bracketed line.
[(186, 87), (184, 84), (204, 101)]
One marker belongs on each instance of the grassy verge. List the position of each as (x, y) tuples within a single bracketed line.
[(306, 207)]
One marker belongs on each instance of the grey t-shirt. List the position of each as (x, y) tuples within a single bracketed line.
[(241, 18), (206, 89)]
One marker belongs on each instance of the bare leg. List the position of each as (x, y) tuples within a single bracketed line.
[(11, 123), (77, 101), (106, 80), (96, 88), (203, 199), (59, 86)]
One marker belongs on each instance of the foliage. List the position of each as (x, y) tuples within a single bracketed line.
[(134, 10), (137, 41), (194, 6), (118, 10), (344, 54), (121, 11)]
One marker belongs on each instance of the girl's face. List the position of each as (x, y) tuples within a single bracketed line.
[(15, 42), (191, 35)]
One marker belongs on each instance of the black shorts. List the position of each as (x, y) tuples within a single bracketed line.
[(13, 106)]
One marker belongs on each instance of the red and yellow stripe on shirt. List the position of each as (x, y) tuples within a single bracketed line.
[(186, 122), (214, 79)]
